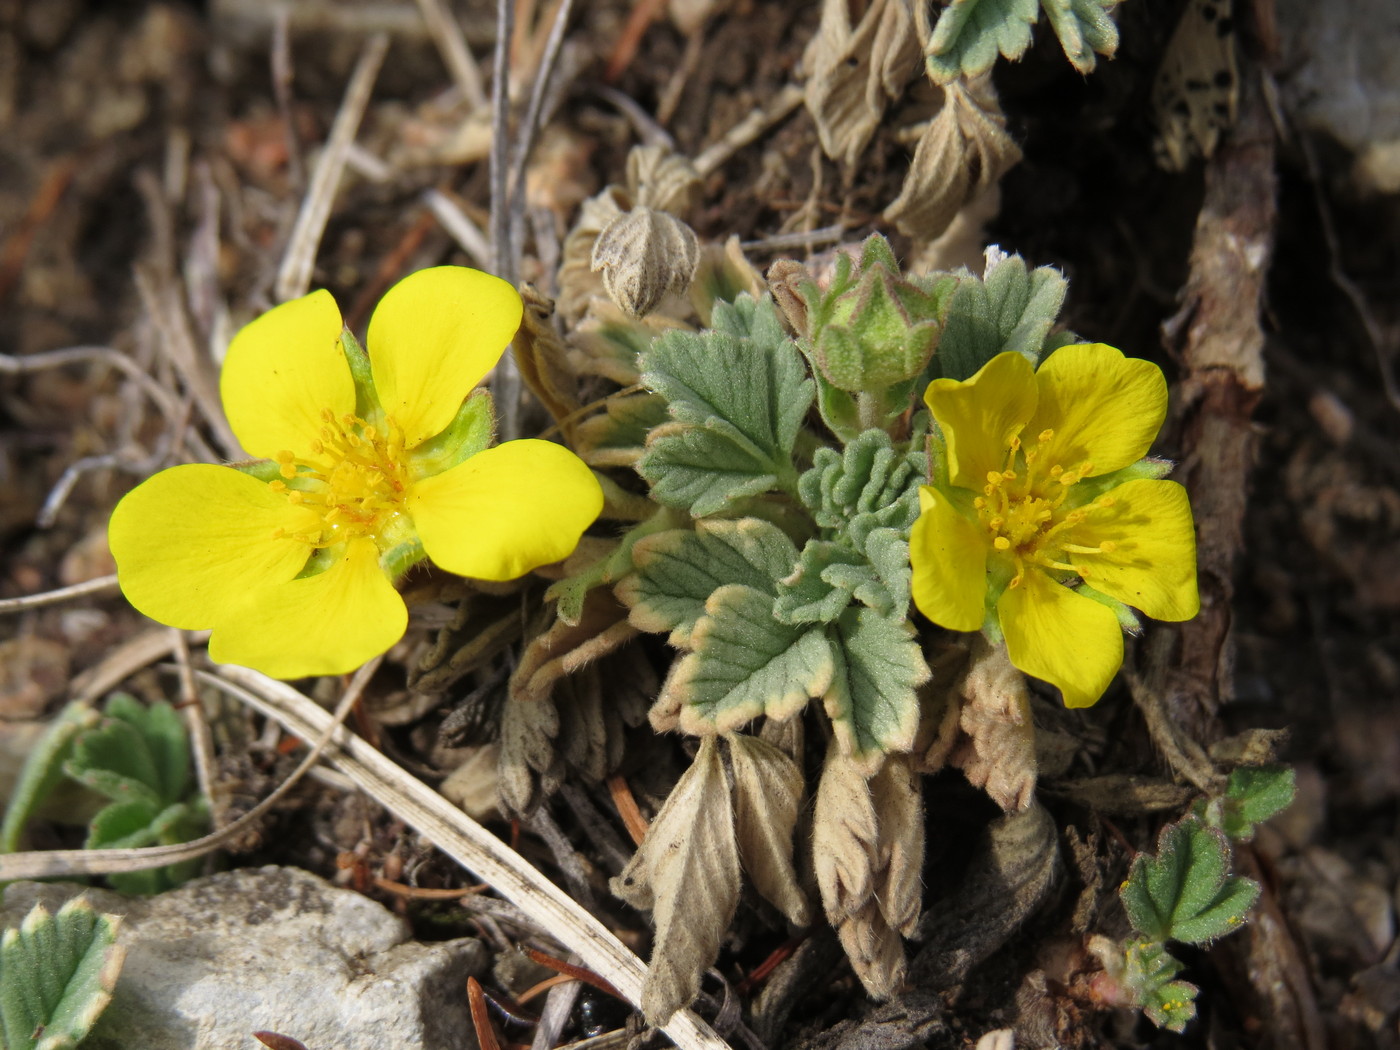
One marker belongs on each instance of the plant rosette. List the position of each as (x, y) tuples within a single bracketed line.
[(369, 464), (1044, 522)]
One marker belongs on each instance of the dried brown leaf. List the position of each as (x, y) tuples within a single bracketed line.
[(578, 284), (643, 254), (660, 179), (853, 71), (687, 872), (564, 648), (899, 816), (875, 950), (530, 768), (767, 796), (997, 748), (963, 152), (844, 836), (543, 360)]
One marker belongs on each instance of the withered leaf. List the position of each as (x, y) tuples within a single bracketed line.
[(844, 836), (564, 648), (543, 360), (658, 178), (963, 152), (530, 768), (767, 795), (687, 872), (899, 816), (997, 752)]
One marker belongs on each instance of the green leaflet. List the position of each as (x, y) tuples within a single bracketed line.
[(677, 571), (865, 486), (830, 576), (970, 34), (56, 976), (1252, 796), (1185, 893), (617, 436), (738, 395), (1010, 308), (746, 663), (1148, 972), (43, 770), (1083, 27), (871, 700)]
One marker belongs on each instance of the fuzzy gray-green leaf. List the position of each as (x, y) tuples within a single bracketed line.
[(1083, 27), (56, 976), (1185, 893), (971, 33), (746, 663), (1148, 972), (43, 770), (809, 595), (678, 570), (872, 702), (1011, 308)]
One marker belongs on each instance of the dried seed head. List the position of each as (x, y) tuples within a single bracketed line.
[(642, 255), (658, 178)]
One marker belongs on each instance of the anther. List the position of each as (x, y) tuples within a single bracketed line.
[(278, 533), (296, 498), (979, 502), (1045, 435), (277, 486), (327, 416), (1108, 546), (1001, 543), (1056, 470)]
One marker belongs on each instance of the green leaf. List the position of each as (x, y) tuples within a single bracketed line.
[(1148, 975), (166, 740), (738, 395), (677, 571), (1185, 893), (1083, 27), (970, 34), (812, 594), (43, 770), (115, 761), (1009, 309), (872, 701), (56, 976), (746, 663), (131, 825), (1253, 795), (867, 485)]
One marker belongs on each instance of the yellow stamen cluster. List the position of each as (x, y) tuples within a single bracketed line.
[(1022, 507), (355, 479)]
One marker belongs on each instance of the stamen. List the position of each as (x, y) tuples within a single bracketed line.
[(1045, 435), (1001, 543)]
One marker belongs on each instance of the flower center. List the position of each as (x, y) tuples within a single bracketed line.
[(1022, 509), (355, 480)]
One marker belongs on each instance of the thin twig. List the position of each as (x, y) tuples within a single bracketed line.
[(741, 134), (447, 35), (197, 725), (282, 77), (782, 242), (558, 1008), (459, 227), (294, 276), (71, 862), (101, 585), (525, 133), (643, 123), (465, 841), (63, 488), (502, 255)]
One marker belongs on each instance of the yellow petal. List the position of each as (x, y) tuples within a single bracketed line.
[(1068, 640), (189, 542), (432, 338), (1104, 408), (506, 511), (282, 371), (1152, 565), (949, 558), (330, 623), (980, 416)]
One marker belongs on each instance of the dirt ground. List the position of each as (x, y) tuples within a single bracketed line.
[(153, 156)]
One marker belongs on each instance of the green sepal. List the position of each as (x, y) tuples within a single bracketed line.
[(872, 702), (838, 408), (1150, 468), (747, 663), (1083, 27), (265, 470), (57, 973), (43, 770), (677, 571), (971, 33), (1185, 893), (1252, 795), (1010, 308), (366, 397), (401, 557), (470, 432), (737, 395), (1148, 974)]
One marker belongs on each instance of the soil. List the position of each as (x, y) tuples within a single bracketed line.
[(151, 172)]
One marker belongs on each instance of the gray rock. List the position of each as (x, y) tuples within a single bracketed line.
[(274, 949)]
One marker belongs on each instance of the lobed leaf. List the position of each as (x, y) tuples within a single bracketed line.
[(43, 770), (1148, 972), (1083, 27), (57, 972), (703, 471), (971, 33), (1010, 308), (1185, 893), (1253, 795), (746, 663), (677, 571), (871, 699)]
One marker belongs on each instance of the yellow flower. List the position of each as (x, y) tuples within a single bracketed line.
[(293, 566), (1029, 509)]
